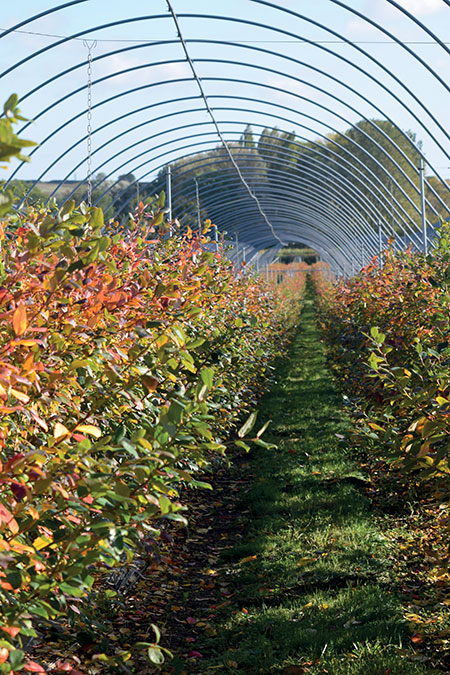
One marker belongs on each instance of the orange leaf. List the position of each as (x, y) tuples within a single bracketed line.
[(248, 559), (9, 520), (20, 321), (11, 630), (4, 653), (417, 638)]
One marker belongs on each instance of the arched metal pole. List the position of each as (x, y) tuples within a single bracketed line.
[(379, 130), (346, 203), (376, 179)]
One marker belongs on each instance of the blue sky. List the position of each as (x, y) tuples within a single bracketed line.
[(298, 86)]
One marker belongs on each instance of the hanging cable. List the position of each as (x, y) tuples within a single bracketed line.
[(219, 133), (89, 46)]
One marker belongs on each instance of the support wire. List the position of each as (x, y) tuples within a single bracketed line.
[(213, 119)]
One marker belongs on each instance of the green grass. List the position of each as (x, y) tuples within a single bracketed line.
[(321, 592)]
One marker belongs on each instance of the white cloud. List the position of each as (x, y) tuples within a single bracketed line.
[(289, 88), (423, 7), (139, 76), (383, 12), (359, 27)]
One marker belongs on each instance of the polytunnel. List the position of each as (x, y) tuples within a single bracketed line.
[(172, 93)]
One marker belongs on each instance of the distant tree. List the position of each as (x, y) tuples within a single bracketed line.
[(373, 163), (247, 140), (20, 188), (444, 193)]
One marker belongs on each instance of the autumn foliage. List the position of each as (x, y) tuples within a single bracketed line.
[(126, 360), (389, 337)]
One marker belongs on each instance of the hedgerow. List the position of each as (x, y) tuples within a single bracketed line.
[(389, 339), (128, 357)]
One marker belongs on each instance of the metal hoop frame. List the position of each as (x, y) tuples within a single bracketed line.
[(322, 208)]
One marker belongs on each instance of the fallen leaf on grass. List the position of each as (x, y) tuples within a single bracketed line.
[(305, 561), (248, 559), (417, 638), (33, 667)]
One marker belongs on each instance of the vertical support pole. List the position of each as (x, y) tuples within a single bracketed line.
[(422, 205), (244, 254), (237, 250), (169, 196), (362, 254), (216, 238), (267, 274), (380, 246), (197, 196)]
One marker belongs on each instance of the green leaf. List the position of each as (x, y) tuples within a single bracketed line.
[(241, 444), (16, 658), (207, 375), (72, 591), (67, 208), (160, 202), (155, 655), (97, 220), (263, 444), (374, 360), (248, 426), (262, 430), (157, 632), (6, 201), (165, 504)]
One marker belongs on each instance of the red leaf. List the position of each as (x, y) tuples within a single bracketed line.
[(33, 667), (19, 491)]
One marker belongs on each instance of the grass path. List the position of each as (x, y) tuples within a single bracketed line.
[(310, 578)]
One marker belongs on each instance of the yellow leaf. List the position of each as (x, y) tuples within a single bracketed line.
[(21, 548), (20, 322), (41, 542), (305, 561), (89, 429), (33, 513), (60, 431), (20, 396)]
